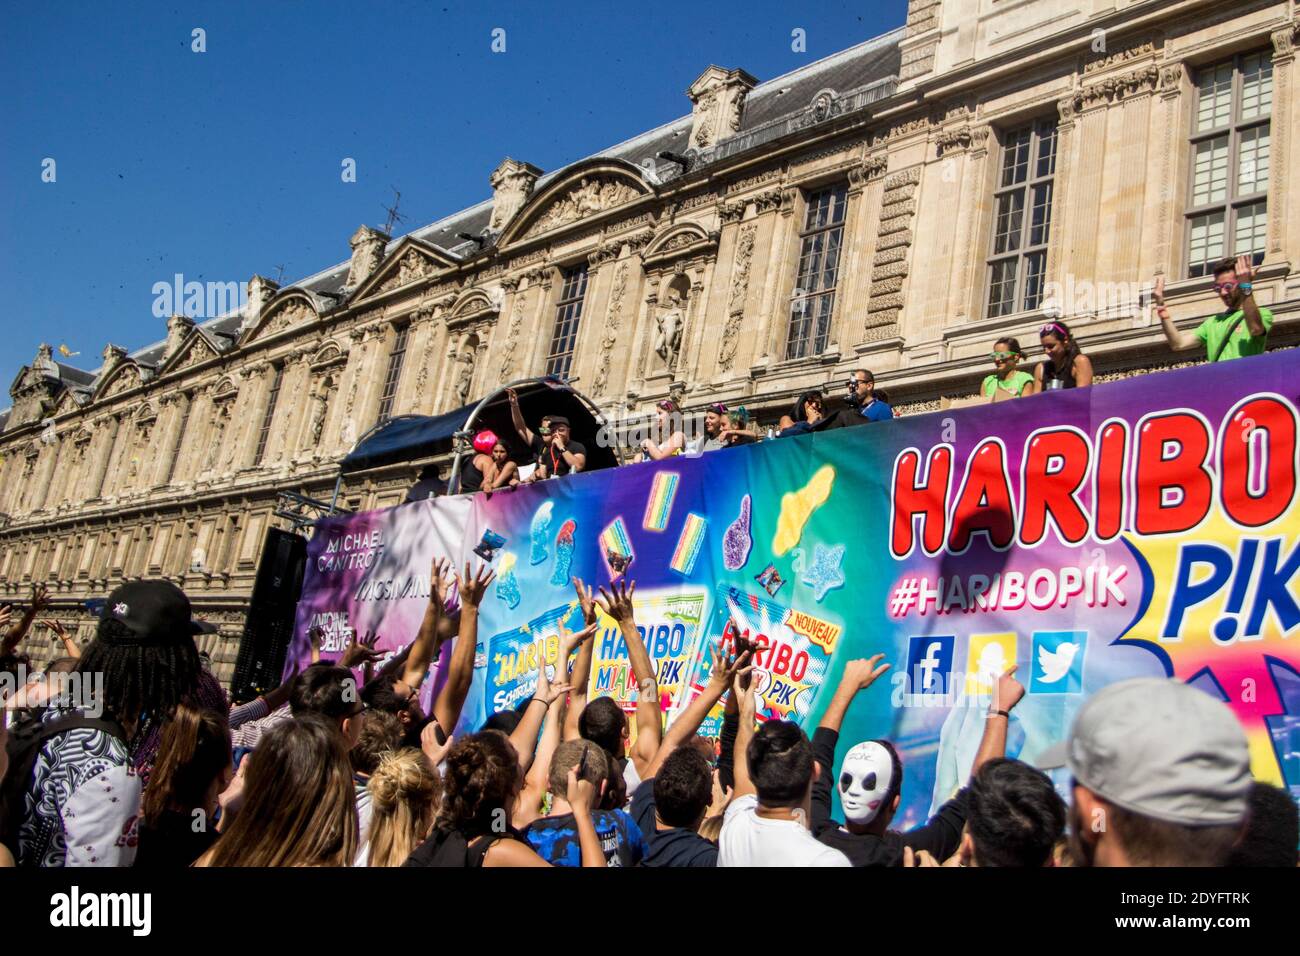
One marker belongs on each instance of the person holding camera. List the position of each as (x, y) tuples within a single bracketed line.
[(862, 396)]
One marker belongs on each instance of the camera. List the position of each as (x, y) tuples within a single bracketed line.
[(854, 396)]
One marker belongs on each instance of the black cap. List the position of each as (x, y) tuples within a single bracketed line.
[(559, 420), (157, 613)]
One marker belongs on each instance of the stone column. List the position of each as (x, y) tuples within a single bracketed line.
[(1281, 217), (106, 427)]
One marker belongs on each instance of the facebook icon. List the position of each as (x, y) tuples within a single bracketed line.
[(929, 664)]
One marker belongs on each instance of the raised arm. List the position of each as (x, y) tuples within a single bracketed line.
[(744, 734), (460, 671), (649, 717), (993, 744), (721, 675), (69, 645), (1178, 340), (582, 797), (517, 417), (578, 677), (40, 601), (425, 645), (525, 734), (858, 676), (1250, 311), (528, 806)]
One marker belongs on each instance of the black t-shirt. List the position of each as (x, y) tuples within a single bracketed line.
[(471, 478), (676, 847), (450, 848), (550, 457), (172, 843), (940, 837)]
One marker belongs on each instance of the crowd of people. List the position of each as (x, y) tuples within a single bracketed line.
[(1240, 329), (340, 766)]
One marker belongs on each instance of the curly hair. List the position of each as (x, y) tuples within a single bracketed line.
[(404, 793), (480, 781), (140, 680), (380, 733)]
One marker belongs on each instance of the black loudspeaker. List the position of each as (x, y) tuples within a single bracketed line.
[(268, 629)]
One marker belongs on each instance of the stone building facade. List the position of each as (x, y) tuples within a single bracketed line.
[(985, 168)]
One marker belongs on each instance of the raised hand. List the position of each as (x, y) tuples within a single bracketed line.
[(570, 640), (1158, 293), (316, 637), (40, 599), (744, 691), (727, 667), (6, 615), (547, 692), (586, 600), (861, 674), (361, 651), (436, 752), (1245, 271), (1008, 691), (581, 794), (439, 584), (473, 588), (618, 603)]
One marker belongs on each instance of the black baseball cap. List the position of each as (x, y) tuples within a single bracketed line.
[(559, 420), (157, 613)]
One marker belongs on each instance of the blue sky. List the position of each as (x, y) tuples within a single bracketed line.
[(220, 164)]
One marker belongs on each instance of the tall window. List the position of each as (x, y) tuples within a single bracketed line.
[(393, 375), (1022, 222), (1228, 206), (265, 432), (180, 439), (568, 313), (819, 261)]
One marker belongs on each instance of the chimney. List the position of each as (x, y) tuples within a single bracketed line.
[(367, 252), (512, 183), (178, 327), (719, 103)]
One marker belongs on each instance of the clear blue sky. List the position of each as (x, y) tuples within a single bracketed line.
[(225, 163)]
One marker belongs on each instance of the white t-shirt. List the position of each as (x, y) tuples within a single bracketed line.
[(750, 840)]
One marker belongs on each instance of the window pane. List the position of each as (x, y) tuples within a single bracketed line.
[(568, 315), (1002, 287), (1214, 104), (1010, 217), (1040, 223), (1256, 85), (1252, 225), (1046, 165), (1252, 161), (1206, 245), (1210, 171), (1015, 157), (1035, 266)]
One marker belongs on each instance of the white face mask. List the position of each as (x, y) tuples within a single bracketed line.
[(865, 778)]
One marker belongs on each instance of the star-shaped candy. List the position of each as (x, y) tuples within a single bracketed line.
[(823, 573)]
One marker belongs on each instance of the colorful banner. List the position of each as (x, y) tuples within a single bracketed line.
[(1144, 527)]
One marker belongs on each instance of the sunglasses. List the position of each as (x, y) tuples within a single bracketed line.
[(1224, 286), (1001, 356)]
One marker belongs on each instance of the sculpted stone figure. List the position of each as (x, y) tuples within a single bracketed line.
[(670, 321)]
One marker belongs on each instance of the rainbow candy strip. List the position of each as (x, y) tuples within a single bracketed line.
[(660, 503), (689, 545), (614, 539)]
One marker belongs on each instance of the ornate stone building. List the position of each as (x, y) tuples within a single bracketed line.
[(895, 206)]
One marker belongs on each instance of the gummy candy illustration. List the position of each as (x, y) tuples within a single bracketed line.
[(797, 507), (736, 543), (689, 545), (539, 531), (824, 573), (563, 553), (507, 585)]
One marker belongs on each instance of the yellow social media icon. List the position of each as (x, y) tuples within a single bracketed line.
[(988, 657)]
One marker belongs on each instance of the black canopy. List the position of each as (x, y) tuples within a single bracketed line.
[(414, 437)]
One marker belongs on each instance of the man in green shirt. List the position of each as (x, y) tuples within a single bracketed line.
[(1240, 329)]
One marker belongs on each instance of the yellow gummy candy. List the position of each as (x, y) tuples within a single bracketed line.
[(797, 507)]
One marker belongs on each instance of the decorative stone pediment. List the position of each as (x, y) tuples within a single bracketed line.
[(586, 192), (290, 308), (146, 414), (683, 241), (329, 354), (225, 391), (473, 306), (195, 350), (125, 376), (367, 253), (512, 183), (412, 261), (70, 401)]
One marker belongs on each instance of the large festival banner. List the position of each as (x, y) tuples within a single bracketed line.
[(1142, 528)]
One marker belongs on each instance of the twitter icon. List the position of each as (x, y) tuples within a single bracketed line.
[(1057, 659)]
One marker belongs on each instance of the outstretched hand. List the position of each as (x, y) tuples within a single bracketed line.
[(726, 667), (547, 692), (581, 794), (435, 751), (473, 588), (570, 640), (1245, 270), (618, 603), (6, 615), (439, 584), (361, 651), (586, 600), (861, 674), (1158, 292)]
